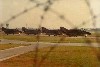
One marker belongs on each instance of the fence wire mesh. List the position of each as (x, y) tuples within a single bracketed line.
[(48, 6)]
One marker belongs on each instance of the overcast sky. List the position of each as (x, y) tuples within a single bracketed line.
[(74, 10)]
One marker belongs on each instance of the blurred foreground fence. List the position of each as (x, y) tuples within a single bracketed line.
[(47, 7)]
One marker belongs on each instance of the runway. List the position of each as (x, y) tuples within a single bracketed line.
[(9, 53)]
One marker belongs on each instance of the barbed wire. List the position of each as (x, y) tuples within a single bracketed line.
[(91, 13), (93, 18), (46, 8)]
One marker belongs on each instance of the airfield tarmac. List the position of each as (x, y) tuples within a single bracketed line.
[(11, 52)]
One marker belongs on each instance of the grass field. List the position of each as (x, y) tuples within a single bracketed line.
[(55, 39), (57, 57), (6, 46)]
